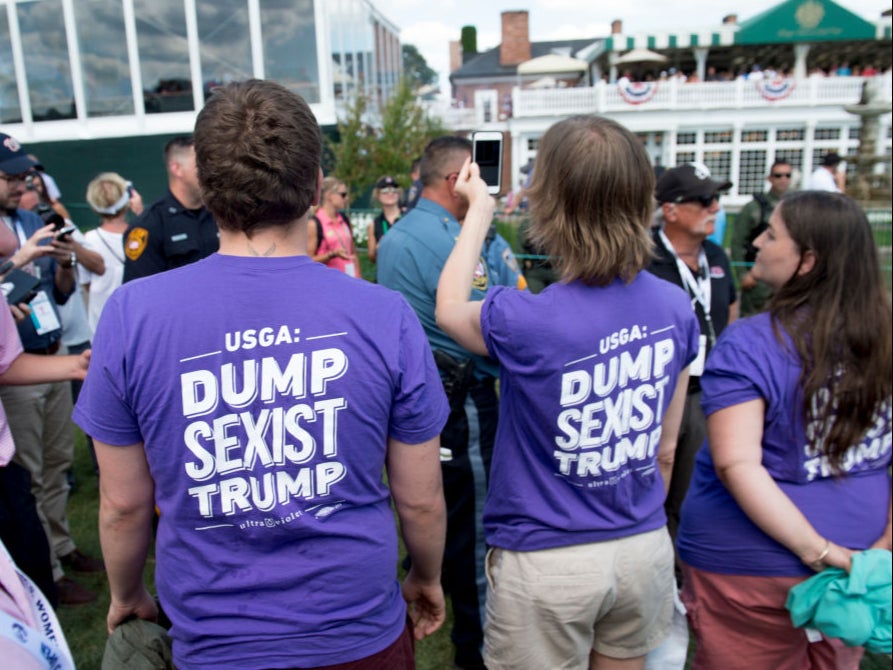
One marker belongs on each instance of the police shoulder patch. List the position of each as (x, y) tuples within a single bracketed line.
[(136, 242)]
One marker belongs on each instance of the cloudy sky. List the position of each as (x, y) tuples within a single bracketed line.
[(431, 24)]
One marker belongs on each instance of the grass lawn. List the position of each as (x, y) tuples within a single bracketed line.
[(85, 626)]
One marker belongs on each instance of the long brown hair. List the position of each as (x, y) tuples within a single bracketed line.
[(838, 317), (591, 200)]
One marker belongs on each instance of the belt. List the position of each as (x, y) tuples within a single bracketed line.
[(45, 351)]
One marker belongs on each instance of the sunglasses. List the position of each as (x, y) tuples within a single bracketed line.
[(703, 200), (781, 175), (343, 194), (388, 189)]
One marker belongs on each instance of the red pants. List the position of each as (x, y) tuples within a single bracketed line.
[(741, 622)]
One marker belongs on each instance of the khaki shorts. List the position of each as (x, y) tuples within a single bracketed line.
[(551, 608)]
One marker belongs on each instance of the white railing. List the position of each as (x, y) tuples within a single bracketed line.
[(676, 95), (671, 95)]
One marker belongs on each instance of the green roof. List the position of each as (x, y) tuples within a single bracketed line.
[(804, 21)]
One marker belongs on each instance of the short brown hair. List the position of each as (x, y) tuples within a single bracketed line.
[(257, 148), (591, 200), (177, 147), (439, 156)]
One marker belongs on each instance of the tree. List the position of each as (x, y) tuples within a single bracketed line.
[(351, 151), (469, 40), (364, 152), (416, 69)]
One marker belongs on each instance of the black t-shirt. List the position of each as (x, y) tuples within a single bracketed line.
[(167, 236), (722, 287)]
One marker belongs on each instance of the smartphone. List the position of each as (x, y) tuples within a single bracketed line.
[(19, 287), (63, 233), (486, 151)]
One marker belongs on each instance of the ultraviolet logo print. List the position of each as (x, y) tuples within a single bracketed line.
[(613, 403), (244, 460)]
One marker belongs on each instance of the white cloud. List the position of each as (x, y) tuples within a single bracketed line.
[(576, 32)]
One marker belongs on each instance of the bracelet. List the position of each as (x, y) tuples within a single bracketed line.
[(824, 552)]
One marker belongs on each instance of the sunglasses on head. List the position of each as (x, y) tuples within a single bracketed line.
[(781, 175), (703, 200)]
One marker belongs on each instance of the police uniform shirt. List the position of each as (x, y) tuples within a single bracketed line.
[(167, 236)]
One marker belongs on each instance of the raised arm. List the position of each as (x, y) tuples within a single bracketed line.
[(416, 486), (126, 509), (735, 435), (456, 313)]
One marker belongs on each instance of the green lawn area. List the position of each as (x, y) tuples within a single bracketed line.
[(85, 626)]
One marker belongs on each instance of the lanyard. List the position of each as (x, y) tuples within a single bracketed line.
[(699, 288), (48, 644)]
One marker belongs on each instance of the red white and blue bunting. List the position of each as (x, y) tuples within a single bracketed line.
[(636, 93), (775, 89)]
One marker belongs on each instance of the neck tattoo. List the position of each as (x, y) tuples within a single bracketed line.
[(269, 251)]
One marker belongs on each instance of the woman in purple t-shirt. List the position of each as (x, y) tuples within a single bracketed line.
[(796, 477), (593, 377)]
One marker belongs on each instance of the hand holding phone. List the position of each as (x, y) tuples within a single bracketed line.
[(64, 233), (486, 151)]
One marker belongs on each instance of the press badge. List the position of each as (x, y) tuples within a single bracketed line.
[(43, 316), (696, 369)]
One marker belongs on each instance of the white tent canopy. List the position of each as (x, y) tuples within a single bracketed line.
[(552, 64), (641, 56)]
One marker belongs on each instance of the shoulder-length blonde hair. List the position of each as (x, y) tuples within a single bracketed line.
[(591, 200)]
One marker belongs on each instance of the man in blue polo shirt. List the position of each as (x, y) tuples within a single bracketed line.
[(410, 260)]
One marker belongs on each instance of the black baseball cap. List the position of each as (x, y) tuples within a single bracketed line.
[(687, 182), (387, 181)]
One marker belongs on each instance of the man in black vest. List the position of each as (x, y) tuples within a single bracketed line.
[(752, 220)]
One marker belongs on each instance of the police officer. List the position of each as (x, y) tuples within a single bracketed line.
[(410, 259), (176, 230)]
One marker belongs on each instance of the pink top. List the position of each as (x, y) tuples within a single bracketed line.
[(10, 348), (337, 235)]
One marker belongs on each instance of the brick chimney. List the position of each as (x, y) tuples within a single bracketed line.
[(455, 55), (616, 27), (515, 46)]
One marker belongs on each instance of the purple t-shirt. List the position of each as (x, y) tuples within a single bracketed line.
[(586, 375), (715, 534), (264, 391)]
